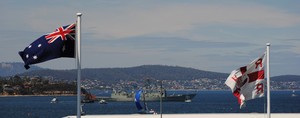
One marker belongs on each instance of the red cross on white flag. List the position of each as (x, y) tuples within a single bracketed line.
[(248, 82)]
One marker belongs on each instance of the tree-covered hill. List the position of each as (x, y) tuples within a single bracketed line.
[(159, 72), (286, 78)]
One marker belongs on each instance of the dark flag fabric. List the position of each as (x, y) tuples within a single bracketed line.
[(60, 43)]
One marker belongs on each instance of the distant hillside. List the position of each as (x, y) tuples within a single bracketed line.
[(13, 68), (160, 72), (286, 78), (146, 71)]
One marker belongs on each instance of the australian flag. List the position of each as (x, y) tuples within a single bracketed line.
[(60, 43)]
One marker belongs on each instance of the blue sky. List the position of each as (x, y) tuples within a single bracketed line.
[(209, 35)]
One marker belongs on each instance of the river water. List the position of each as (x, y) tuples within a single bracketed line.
[(204, 102)]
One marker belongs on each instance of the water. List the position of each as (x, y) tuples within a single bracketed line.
[(204, 102)]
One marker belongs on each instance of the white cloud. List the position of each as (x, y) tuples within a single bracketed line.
[(171, 19), (185, 33), (133, 19)]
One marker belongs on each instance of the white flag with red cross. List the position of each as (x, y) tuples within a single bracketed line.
[(247, 82)]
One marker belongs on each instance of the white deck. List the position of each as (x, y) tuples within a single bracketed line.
[(212, 115)]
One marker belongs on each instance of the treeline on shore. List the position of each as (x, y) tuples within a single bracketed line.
[(26, 85)]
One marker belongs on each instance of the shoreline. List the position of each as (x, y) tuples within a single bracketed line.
[(35, 95), (188, 90)]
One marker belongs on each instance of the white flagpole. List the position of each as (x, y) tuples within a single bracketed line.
[(268, 81), (78, 59), (161, 91)]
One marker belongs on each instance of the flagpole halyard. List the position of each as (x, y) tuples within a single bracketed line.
[(268, 81), (78, 60)]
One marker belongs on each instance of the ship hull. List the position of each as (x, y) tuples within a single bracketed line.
[(171, 98)]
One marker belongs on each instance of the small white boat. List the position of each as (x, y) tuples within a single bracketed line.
[(54, 100), (188, 100), (294, 94), (102, 102)]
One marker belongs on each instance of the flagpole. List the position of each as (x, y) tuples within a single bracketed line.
[(78, 59), (161, 91), (268, 81)]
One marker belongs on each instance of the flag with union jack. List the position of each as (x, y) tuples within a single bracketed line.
[(247, 82), (60, 43)]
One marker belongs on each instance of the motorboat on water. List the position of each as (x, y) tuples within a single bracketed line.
[(54, 100), (294, 94), (102, 101), (188, 100), (88, 98)]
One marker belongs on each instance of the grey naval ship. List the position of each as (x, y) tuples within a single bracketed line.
[(150, 96)]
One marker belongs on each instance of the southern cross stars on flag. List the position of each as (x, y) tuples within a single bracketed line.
[(60, 43)]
